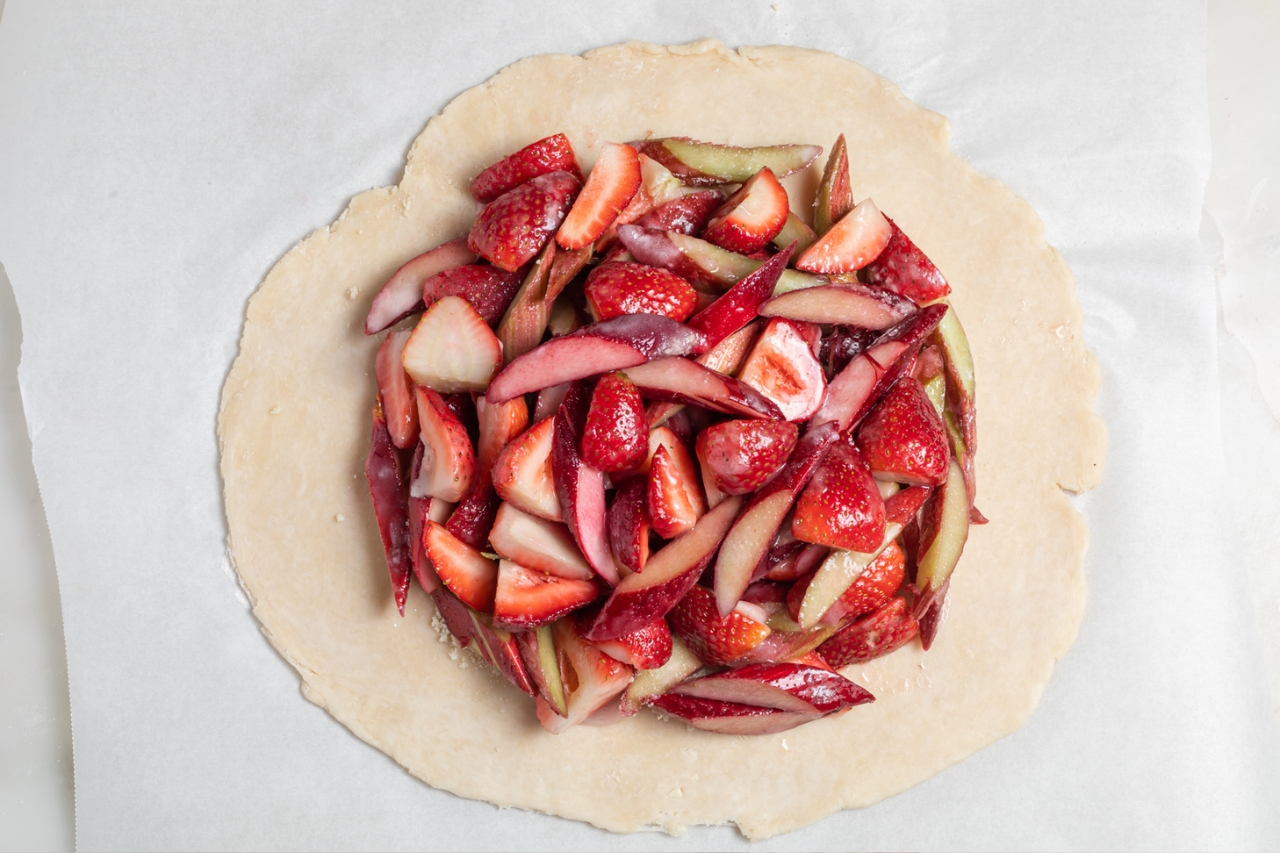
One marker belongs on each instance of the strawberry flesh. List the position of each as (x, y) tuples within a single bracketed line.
[(526, 598), (467, 573), (783, 368), (613, 182), (648, 647), (674, 500), (751, 217)]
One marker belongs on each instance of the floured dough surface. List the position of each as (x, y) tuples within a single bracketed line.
[(294, 429)]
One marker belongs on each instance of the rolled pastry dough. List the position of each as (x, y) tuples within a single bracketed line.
[(294, 430)]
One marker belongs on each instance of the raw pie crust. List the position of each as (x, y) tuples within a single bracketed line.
[(294, 431)]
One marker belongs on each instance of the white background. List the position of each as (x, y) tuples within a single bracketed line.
[(349, 131)]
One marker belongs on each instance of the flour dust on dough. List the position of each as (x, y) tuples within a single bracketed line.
[(294, 431)]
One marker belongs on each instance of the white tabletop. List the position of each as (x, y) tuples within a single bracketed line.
[(36, 798)]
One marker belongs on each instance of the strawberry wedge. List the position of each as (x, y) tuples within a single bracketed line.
[(615, 344), (552, 154), (612, 183)]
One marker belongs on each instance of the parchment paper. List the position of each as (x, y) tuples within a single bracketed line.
[(157, 161)]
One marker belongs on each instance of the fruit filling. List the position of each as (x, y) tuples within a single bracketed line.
[(649, 439)]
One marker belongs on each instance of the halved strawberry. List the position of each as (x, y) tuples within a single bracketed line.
[(447, 464), (452, 348), (751, 217), (515, 226), (538, 544), (903, 438), (616, 438), (552, 154), (783, 368), (488, 289), (628, 523), (742, 454), (907, 271), (590, 678), (644, 648), (522, 472), (852, 243), (877, 584), (499, 424), (716, 639), (622, 287), (675, 499), (395, 390), (841, 507), (526, 598), (613, 181), (887, 629), (467, 573)]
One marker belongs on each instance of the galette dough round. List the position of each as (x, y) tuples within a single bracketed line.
[(294, 431)]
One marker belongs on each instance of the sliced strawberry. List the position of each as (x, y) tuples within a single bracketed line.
[(783, 368), (716, 639), (751, 217), (522, 472), (452, 348), (488, 289), (538, 544), (467, 573), (420, 512), (526, 598), (448, 463), (499, 424), (402, 294), (685, 215), (515, 226), (395, 390), (742, 454), (657, 187), (644, 648), (835, 197), (628, 523), (616, 438), (552, 154), (852, 243), (889, 628), (907, 271), (621, 287), (590, 677), (675, 501), (903, 438), (841, 507), (613, 181), (473, 517), (878, 583), (390, 506)]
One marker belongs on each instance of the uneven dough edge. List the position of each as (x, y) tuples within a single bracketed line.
[(389, 212)]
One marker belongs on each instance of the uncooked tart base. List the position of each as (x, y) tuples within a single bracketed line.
[(294, 429)]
